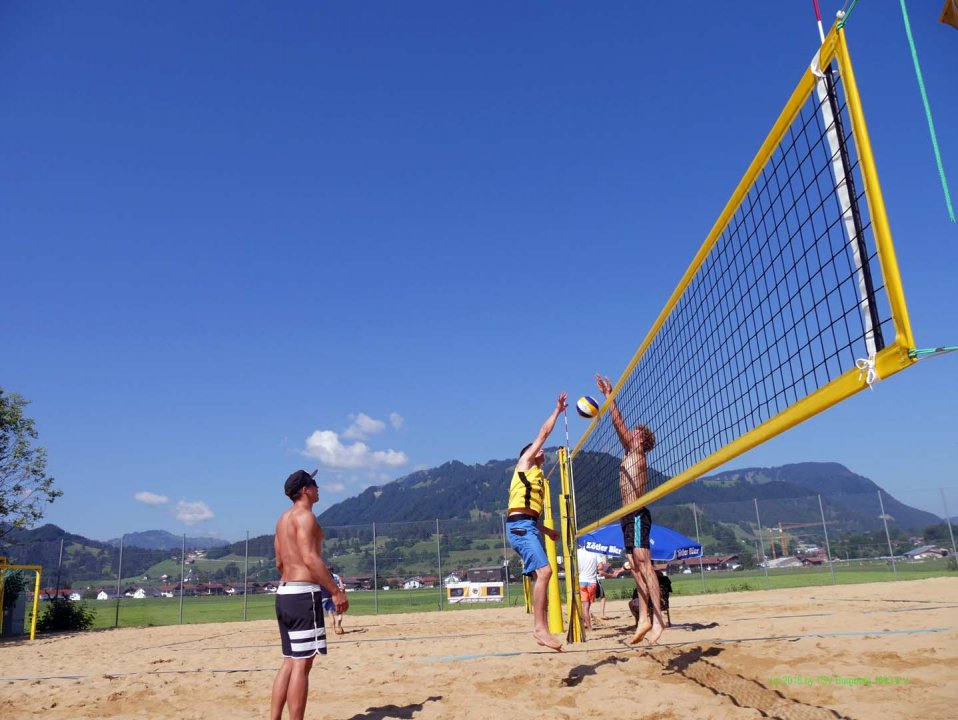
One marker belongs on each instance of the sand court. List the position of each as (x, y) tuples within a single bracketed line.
[(883, 650)]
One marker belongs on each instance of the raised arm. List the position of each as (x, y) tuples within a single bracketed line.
[(525, 462), (618, 422)]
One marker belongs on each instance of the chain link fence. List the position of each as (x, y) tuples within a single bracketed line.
[(409, 566)]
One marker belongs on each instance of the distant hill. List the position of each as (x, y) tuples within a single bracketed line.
[(82, 558), (454, 490), (785, 494), (163, 540)]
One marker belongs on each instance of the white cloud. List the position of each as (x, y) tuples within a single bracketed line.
[(363, 426), (192, 512), (396, 420), (325, 446), (148, 498), (334, 486)]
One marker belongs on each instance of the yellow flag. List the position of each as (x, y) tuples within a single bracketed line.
[(950, 14)]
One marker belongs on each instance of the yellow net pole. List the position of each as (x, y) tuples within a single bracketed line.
[(573, 600), (555, 603), (527, 593)]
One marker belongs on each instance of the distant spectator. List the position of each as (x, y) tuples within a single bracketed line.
[(588, 563), (665, 589), (329, 607)]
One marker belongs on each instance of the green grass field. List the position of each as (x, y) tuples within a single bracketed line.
[(166, 611)]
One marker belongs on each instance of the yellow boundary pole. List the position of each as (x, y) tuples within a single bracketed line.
[(38, 569)]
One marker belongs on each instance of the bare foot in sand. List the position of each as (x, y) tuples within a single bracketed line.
[(603, 617), (656, 633), (339, 630), (640, 632), (546, 640)]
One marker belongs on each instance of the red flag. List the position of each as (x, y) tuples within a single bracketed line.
[(949, 15)]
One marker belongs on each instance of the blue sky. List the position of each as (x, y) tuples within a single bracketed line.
[(240, 238)]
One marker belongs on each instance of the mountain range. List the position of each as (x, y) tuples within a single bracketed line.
[(454, 490), (163, 540)]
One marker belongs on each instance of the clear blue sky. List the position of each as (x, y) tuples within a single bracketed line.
[(235, 235)]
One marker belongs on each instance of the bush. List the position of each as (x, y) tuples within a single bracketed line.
[(13, 585), (952, 564), (60, 615)]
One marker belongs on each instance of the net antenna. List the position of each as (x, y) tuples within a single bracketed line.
[(568, 449), (792, 304)]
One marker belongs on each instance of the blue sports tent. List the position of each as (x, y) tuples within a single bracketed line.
[(667, 545)]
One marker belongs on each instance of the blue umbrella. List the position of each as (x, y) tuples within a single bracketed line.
[(667, 545)]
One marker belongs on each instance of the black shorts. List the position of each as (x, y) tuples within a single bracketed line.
[(635, 529), (599, 592), (299, 612)]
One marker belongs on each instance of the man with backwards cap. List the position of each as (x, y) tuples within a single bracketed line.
[(299, 603)]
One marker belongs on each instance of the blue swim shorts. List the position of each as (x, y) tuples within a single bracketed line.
[(525, 539)]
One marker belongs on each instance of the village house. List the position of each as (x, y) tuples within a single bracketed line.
[(926, 552)]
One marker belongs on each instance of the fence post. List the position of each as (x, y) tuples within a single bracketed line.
[(439, 558), (761, 544), (375, 575), (182, 573), (119, 574), (698, 539), (59, 565), (948, 520), (246, 579), (505, 556), (828, 547), (884, 519)]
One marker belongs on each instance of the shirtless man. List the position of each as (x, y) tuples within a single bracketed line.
[(299, 609), (633, 480), (525, 527)]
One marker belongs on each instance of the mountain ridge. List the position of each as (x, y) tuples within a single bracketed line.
[(784, 494)]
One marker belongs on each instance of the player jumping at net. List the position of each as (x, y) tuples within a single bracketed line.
[(525, 526), (633, 481)]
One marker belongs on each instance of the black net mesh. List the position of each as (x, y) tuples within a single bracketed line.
[(773, 313)]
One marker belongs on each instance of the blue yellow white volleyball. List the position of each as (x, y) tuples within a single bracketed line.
[(587, 407)]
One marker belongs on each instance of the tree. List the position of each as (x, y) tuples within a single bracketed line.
[(61, 615), (24, 483)]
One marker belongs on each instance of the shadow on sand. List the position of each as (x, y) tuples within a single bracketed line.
[(395, 711), (580, 672)]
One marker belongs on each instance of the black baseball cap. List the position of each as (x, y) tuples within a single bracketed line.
[(299, 480)]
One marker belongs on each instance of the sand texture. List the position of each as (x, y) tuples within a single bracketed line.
[(883, 650)]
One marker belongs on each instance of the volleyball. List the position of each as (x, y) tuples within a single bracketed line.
[(587, 407)]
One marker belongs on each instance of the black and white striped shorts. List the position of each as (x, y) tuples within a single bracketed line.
[(299, 611)]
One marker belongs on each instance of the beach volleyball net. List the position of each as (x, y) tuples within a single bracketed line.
[(792, 304)]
